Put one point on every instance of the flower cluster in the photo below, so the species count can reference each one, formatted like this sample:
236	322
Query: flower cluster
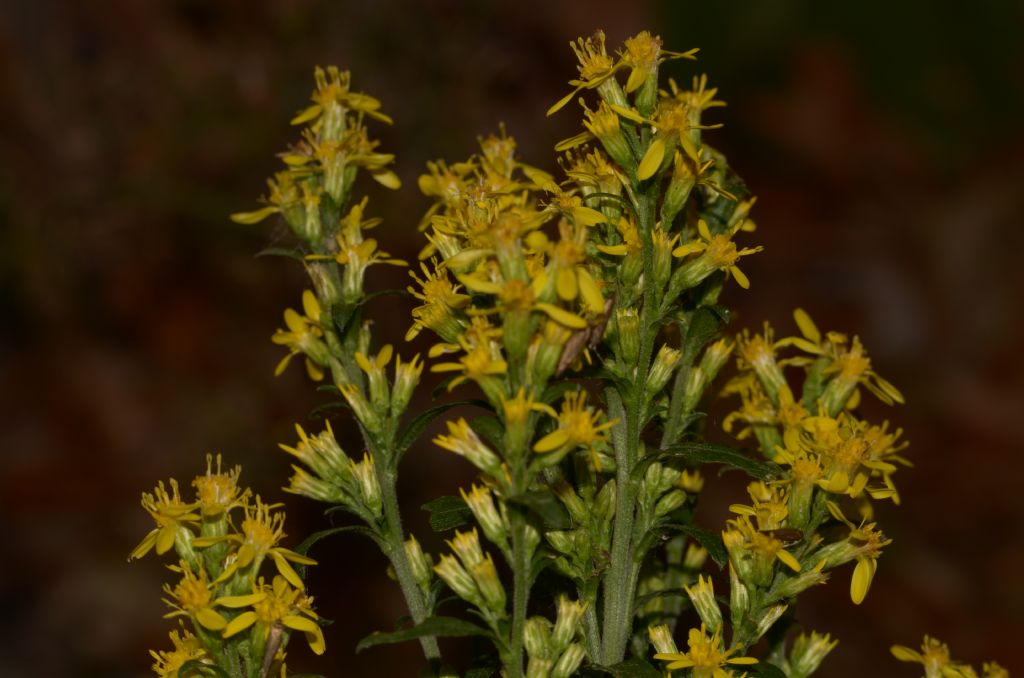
583	313
222	539
934	657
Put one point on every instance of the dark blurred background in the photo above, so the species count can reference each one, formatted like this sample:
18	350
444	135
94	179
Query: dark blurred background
883	139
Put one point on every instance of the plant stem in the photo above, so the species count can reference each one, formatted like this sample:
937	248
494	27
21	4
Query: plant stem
618	591
399	559
591	632
520	591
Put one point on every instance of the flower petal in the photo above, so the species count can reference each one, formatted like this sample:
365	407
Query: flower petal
240	623
651	160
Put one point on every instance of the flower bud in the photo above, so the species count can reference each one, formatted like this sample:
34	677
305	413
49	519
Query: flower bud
669	502
407	376
481	503
569	614
366	479
703	597
537	637
458	580
627	335
768	619
466	546
661	371
739	597
569	661
695	557
661	639
678	191
420	563
808	652
486	578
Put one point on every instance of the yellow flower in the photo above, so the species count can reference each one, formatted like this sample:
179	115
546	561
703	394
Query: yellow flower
864	543
463	441
934	656
596	67
303	336
218	491
261	531
171	514
480	363
193	597
717	252
578	426
705	657
186	648
276	606
850	364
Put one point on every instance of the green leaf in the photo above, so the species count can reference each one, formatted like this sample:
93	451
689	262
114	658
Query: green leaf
557	391
766	669
439	627
712	541
546	506
705	324
289	252
312	539
490	429
342	315
442	387
447	513
631	668
424	419
481	672
194	668
663	593
708	453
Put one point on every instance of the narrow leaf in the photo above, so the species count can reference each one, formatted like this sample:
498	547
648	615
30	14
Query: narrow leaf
631	668
424	419
765	669
289	252
712	541
707	453
312	539
439	627
447	513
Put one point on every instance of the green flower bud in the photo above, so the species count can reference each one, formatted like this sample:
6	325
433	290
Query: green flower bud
703	597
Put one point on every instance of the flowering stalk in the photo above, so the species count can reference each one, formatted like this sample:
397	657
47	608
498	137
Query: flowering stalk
584	314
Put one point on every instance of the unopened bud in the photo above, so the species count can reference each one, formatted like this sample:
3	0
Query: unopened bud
703	597
486	578
419	562
366	478
661	639
569	661
569	614
537	637
808	652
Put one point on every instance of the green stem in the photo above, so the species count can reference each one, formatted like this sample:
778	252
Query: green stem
520	591
591	633
618	593
400	561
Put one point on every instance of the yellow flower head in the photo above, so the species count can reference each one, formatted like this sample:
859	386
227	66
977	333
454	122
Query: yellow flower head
170	513
186	648
935	658
578	426
278	605
705	657
303	336
193	597
718	252
218	490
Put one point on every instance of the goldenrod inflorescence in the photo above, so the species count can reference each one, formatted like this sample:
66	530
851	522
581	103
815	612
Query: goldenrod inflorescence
584	313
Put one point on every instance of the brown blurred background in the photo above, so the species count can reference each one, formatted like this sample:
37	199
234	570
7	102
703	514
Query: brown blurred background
883	138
